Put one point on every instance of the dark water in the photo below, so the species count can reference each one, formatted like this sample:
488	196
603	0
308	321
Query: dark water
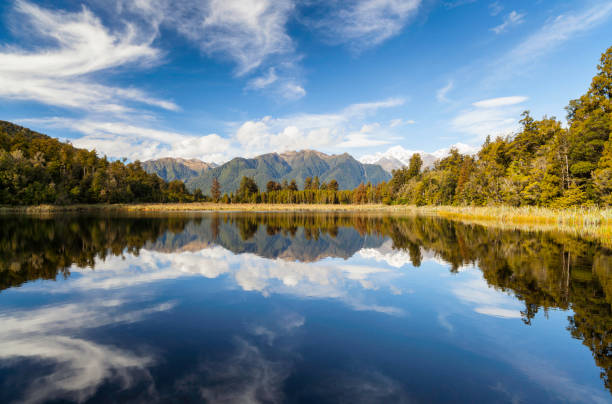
299	308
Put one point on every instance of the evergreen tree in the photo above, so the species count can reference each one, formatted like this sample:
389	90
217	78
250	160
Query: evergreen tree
215	190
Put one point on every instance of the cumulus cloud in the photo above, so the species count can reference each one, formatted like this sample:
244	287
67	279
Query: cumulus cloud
495	117
337	130
363	23
119	139
512	19
348	128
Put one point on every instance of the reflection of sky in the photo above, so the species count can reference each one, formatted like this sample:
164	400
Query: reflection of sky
374	301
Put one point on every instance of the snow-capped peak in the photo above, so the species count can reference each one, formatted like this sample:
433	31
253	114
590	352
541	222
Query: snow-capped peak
396	157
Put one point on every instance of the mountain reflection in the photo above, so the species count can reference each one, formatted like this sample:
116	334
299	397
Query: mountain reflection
543	270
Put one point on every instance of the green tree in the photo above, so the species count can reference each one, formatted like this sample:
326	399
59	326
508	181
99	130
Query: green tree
248	188
602	176
333	185
414	165
215	190
590	119
292	186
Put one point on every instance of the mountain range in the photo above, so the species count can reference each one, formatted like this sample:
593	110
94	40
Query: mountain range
397	157
278	167
169	168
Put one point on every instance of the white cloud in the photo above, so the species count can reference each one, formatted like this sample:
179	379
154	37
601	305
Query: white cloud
252	34
495	8
364	23
399	122
247	32
347	128
510	20
500	102
442	93
119	139
360	140
397	156
395	122
292	90
495	117
552	34
265	80
61	75
284	85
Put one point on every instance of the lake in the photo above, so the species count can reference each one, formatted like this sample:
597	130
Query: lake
297	307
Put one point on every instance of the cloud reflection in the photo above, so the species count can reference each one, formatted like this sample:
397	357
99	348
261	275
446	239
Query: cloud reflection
51	335
325	279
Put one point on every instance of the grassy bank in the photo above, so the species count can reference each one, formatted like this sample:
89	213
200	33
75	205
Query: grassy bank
596	223
586	222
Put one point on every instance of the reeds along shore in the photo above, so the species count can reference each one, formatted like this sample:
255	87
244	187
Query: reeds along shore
591	222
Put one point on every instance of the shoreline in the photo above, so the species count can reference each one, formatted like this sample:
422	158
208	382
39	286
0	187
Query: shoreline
592	222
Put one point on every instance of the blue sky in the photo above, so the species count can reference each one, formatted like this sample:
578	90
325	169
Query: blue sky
215	79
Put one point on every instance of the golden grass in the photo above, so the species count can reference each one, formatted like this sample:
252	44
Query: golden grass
588	222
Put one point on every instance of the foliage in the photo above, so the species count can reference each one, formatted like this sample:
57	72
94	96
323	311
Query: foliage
215	190
36	169
544	164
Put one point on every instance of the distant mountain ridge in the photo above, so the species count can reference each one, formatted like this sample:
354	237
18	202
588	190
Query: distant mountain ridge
291	165
171	168
397	157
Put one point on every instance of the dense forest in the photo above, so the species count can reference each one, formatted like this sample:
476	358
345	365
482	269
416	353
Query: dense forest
544	164
37	169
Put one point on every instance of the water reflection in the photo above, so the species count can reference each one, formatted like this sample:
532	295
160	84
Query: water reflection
121	273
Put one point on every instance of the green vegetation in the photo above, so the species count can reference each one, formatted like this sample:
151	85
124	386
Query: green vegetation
314	192
36	169
544	164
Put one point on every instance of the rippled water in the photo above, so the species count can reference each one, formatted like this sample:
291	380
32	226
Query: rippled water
299	308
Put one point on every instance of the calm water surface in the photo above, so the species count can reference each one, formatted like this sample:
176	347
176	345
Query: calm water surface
299	308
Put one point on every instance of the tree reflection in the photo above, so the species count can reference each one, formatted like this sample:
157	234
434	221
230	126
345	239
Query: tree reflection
544	270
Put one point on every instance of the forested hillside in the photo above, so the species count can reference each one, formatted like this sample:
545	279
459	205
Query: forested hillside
545	164
36	169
